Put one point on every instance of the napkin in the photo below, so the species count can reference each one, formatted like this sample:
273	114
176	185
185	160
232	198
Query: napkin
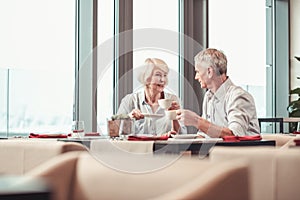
48	135
146	138
92	134
241	138
297	142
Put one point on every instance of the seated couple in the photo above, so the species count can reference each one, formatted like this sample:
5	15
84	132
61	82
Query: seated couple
227	109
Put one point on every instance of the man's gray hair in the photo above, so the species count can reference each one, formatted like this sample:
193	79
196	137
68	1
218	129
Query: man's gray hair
212	58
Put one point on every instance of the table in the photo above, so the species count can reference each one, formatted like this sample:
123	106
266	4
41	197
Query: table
202	148
86	141
177	146
121	146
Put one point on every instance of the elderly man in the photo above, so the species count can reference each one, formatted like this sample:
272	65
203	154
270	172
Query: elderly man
227	108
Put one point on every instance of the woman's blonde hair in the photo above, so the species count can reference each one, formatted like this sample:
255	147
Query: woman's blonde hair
149	66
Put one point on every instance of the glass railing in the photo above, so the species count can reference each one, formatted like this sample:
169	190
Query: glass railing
38	101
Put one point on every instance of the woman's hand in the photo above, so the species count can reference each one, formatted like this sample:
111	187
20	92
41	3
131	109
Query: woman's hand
169	133
174	106
136	114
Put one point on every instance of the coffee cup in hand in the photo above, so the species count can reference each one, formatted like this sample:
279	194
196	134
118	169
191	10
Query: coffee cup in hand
171	114
165	103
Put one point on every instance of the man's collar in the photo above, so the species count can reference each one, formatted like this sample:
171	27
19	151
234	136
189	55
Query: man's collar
221	91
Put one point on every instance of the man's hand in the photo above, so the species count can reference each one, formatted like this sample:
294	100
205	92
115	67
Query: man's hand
188	118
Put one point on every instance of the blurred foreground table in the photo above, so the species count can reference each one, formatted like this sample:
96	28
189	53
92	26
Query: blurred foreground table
23	188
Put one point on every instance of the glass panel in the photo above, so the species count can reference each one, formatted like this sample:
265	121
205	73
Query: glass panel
3	102
37	44
147	14
40	101
105	63
243	40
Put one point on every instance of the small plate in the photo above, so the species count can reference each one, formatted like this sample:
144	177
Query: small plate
185	140
204	140
152	115
186	136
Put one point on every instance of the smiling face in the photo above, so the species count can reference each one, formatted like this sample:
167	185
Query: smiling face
158	80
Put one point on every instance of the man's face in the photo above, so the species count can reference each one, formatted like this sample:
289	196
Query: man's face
201	75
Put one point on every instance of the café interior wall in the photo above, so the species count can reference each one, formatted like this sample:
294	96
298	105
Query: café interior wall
294	44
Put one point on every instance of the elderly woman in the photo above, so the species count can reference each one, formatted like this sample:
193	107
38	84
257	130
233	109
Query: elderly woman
143	106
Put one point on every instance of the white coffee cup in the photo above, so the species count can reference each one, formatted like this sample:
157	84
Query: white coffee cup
165	103
171	114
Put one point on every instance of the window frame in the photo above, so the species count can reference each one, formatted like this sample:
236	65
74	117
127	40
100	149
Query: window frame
278	53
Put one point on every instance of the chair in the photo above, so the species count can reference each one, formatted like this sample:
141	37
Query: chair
282	140
261	167
273	119
82	176
273	172
280	120
18	156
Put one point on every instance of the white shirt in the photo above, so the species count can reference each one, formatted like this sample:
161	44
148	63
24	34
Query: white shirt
231	107
148	125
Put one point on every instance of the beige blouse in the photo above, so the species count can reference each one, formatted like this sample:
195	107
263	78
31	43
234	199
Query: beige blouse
148	125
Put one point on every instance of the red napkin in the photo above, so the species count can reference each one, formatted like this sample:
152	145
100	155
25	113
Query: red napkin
241	138
296	132
34	135
92	134
146	138
297	142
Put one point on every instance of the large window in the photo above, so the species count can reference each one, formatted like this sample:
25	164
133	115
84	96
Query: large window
3	101
165	17
38	53
146	14
105	66
241	34
36	66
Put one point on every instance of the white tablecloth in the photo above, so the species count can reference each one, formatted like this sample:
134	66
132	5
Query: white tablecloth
118	146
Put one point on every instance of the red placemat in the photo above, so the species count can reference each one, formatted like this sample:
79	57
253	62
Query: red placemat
146	138
297	142
48	135
242	138
92	134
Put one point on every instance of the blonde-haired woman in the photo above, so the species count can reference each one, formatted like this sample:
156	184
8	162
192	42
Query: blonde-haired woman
154	77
